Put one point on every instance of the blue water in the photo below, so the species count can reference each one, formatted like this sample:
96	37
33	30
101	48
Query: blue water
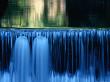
40	60
55	55
20	70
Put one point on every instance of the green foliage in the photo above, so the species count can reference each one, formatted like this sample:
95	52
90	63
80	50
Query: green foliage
17	15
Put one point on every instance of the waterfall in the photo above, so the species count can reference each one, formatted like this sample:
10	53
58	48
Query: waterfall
81	56
21	60
55	55
40	60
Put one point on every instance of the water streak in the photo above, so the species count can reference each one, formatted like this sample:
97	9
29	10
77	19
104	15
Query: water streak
21	60
40	60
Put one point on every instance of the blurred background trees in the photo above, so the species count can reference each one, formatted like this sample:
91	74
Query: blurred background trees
55	13
88	13
34	13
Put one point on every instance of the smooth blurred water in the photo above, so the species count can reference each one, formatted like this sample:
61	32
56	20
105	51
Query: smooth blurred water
21	60
56	56
40	60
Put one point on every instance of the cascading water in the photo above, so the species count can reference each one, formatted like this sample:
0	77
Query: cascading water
40	60
74	55
20	61
81	56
